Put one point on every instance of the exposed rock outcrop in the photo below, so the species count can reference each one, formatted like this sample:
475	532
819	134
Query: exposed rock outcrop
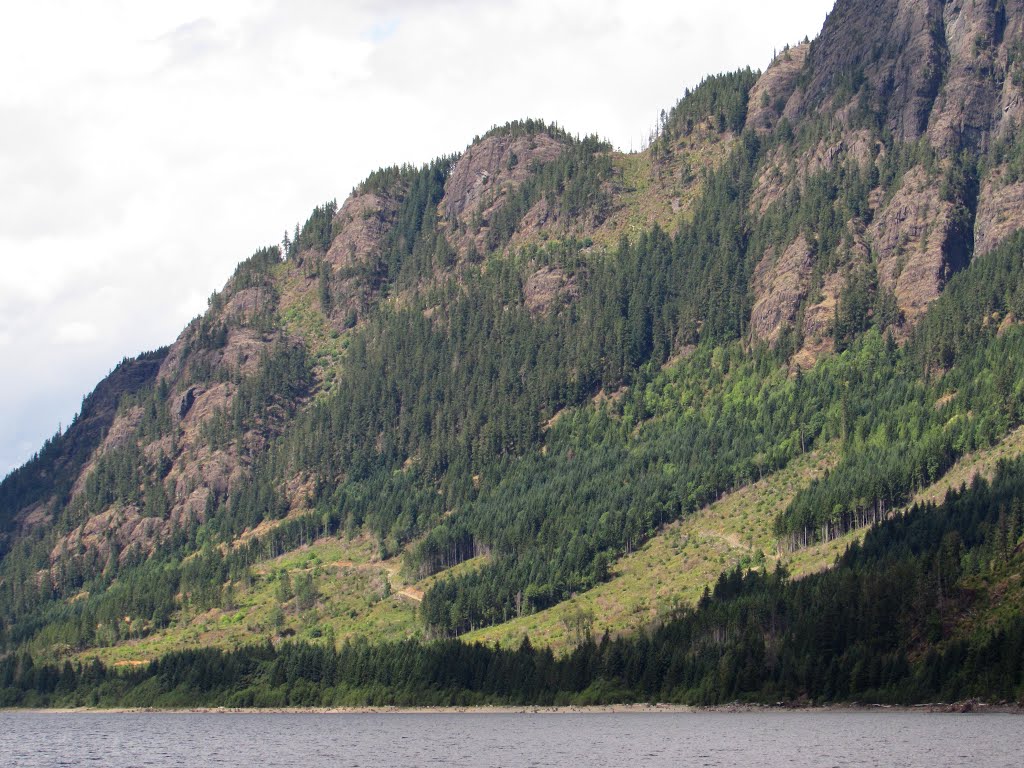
186	402
819	311
1000	213
491	163
895	48
779	286
782	171
120	526
771	93
819	314
361	224
481	180
950	72
941	68
914	244
966	108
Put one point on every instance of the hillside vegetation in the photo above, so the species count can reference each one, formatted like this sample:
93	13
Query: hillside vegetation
866	629
543	388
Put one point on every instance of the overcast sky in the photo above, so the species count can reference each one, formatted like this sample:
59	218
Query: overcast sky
146	148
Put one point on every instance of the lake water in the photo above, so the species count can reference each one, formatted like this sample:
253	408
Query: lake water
797	739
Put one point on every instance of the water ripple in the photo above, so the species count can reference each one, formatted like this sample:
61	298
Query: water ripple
754	740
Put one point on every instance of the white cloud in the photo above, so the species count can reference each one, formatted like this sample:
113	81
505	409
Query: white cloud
75	332
146	148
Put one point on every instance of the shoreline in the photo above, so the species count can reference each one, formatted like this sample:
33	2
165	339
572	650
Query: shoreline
965	707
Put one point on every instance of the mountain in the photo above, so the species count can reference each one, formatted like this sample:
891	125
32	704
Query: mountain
470	400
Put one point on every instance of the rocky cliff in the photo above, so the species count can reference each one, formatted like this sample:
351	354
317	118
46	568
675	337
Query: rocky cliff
938	82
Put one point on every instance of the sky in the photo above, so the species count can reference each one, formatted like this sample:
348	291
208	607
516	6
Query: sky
148	147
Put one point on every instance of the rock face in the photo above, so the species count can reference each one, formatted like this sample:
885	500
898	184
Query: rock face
780	285
782	172
894	47
482	179
948	73
987	71
771	93
362	224
819	314
1000	212
200	373
966	109
915	245
187	401
935	67
361	228
819	310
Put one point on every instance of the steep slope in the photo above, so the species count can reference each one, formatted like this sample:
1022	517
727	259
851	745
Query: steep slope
917	93
503	372
30	492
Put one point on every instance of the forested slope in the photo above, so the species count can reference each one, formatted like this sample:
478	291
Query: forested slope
918	612
463	395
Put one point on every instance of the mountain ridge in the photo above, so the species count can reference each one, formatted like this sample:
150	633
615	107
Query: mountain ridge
511	367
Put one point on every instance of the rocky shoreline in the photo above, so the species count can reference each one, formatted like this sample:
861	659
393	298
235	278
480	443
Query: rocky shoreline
961	707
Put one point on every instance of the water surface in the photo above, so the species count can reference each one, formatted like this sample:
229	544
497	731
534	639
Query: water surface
798	739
